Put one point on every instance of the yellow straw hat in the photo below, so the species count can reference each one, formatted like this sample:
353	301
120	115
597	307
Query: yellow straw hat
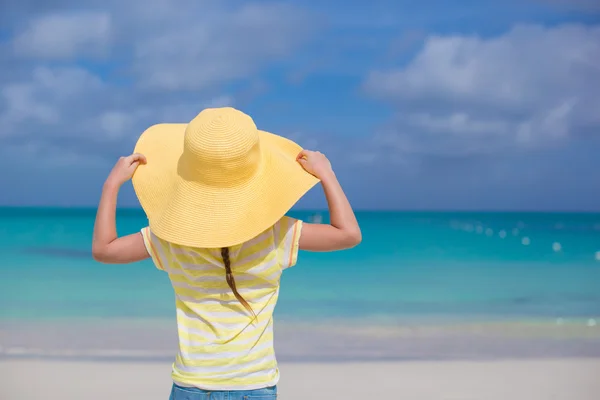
217	181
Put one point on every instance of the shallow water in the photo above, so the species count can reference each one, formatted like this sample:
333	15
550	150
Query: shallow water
412	268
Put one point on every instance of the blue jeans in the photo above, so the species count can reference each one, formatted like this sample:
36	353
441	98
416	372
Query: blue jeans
184	393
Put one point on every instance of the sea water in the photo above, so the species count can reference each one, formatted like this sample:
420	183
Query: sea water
410	265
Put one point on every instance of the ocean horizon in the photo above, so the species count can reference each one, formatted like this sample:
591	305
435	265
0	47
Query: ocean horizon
419	283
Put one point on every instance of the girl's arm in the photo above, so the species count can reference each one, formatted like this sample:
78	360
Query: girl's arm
106	246
343	231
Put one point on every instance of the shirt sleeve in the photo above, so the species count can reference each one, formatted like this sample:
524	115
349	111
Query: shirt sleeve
153	245
288	238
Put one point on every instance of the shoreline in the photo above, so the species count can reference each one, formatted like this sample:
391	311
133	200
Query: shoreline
156	340
324	361
564	379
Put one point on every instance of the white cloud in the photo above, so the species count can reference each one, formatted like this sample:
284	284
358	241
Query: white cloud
220	101
73	112
47	98
64	83
216	44
529	86
459	123
63	36
21	105
175	51
115	123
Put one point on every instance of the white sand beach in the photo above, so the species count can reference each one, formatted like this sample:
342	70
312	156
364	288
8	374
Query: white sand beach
553	379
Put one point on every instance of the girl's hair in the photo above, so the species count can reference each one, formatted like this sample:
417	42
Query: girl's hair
231	281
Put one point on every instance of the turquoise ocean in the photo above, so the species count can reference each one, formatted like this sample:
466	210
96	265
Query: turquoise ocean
412	268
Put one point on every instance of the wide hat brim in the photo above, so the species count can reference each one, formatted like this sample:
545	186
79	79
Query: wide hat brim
192	213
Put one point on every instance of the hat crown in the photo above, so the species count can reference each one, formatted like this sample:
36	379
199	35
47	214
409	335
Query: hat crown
221	147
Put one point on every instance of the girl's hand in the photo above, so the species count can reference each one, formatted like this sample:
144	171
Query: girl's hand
124	169
315	163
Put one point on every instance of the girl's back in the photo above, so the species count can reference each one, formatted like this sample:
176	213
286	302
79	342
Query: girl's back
226	341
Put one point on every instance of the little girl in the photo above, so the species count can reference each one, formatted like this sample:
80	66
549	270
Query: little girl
216	192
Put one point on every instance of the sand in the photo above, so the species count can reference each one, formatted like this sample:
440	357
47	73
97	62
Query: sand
131	360
553	379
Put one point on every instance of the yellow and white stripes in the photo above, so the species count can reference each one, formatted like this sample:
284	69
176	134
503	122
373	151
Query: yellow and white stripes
221	345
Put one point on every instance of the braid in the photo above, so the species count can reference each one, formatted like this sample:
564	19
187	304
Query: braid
231	281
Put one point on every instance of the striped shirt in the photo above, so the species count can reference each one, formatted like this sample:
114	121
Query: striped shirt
221	345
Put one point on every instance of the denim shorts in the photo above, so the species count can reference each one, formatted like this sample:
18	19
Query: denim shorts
185	393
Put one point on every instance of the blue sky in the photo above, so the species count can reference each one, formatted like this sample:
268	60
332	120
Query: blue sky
419	105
